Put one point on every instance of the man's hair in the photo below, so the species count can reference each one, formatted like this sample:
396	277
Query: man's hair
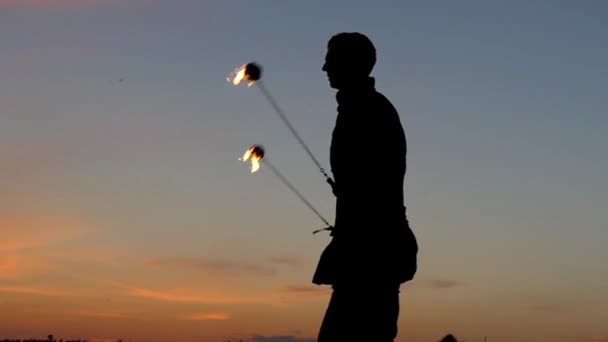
358	47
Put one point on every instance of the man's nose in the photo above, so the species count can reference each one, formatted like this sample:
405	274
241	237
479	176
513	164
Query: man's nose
324	68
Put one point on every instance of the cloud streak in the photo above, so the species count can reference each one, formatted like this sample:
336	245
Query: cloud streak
97	313
113	315
441	284
304	290
35	291
15	266
181	297
29	237
226	267
216	316
216	266
286	261
24	229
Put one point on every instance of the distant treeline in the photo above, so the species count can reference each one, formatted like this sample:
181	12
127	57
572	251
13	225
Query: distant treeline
50	338
447	338
44	340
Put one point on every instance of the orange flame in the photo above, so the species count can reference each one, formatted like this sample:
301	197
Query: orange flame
238	75
256	156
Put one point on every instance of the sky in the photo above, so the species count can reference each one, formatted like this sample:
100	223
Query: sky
126	213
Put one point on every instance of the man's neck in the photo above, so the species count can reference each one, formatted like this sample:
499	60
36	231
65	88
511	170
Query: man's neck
355	87
359	84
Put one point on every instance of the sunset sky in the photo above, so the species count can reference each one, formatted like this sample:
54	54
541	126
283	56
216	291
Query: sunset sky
125	212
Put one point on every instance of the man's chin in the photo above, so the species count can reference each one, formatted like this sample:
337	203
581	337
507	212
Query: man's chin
334	84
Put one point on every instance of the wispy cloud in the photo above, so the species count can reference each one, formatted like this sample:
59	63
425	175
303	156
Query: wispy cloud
285	260
287	338
26	229
215	316
548	303
304	290
226	267
11	266
441	283
28	236
110	315
218	266
97	313
182	297
35	291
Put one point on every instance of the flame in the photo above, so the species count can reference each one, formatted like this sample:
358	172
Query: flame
255	156
238	75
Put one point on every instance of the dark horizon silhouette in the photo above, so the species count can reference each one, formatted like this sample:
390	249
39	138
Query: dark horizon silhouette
449	338
53	338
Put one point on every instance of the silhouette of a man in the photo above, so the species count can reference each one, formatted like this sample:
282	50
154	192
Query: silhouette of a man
373	250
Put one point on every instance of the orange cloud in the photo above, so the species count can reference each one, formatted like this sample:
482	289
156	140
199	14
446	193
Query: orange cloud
216	266
304	290
26	230
117	315
35	291
285	260
9	265
99	313
441	283
179	296
600	339
208	317
28	239
227	267
14	266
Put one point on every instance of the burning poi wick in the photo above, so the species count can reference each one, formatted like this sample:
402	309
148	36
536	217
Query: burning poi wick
252	73
256	153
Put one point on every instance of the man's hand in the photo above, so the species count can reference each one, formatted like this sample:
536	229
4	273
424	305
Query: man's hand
333	186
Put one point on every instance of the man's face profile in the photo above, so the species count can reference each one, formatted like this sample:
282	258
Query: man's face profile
335	67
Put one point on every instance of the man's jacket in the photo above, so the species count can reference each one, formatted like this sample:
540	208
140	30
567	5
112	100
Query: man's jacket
371	241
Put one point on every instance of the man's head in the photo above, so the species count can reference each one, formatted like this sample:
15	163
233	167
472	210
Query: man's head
350	58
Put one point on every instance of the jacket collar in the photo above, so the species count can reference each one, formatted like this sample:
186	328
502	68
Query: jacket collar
366	85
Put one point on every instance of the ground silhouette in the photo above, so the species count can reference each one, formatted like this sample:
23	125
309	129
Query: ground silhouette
50	338
449	338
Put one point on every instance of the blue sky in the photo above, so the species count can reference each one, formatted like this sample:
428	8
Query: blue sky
116	117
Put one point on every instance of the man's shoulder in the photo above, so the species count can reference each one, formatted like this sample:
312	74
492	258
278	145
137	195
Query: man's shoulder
383	100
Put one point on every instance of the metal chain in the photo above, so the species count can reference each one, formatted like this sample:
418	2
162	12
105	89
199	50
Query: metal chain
291	128
293	188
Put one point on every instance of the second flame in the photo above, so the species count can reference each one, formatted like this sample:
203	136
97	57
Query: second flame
239	75
256	154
